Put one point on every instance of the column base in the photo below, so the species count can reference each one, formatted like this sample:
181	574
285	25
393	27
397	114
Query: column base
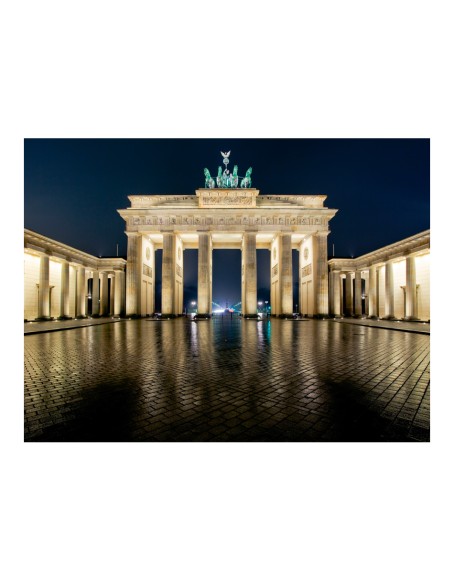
81	317
167	316
321	316
250	316
44	318
389	318
411	319
287	316
95	315
64	318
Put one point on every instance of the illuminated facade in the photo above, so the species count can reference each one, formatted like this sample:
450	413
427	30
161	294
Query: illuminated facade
61	282
227	219
390	283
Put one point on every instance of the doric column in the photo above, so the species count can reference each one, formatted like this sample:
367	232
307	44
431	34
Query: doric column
80	292
95	295
249	274
204	288
336	293
133	274
168	274
286	274
64	287
349	294
389	290
372	295
118	297
43	303
358	295
104	294
112	295
123	294
321	273
410	291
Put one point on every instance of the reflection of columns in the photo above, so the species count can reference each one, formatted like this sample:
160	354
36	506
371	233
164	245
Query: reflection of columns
249	275
320	250
118	299
95	295
134	274
43	302
372	294
64	297
112	295
389	290
410	291
358	295
168	274
336	293
80	292
204	288
104	294
349	294
286	274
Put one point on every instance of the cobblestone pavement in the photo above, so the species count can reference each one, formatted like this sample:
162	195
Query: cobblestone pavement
227	380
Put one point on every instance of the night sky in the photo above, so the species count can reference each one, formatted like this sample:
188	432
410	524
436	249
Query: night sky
73	187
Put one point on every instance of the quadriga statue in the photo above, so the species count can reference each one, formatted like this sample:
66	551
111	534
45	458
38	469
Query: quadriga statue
246	182
209	182
234	177
219	177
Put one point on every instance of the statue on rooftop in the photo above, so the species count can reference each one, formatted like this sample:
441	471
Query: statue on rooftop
246	182
219	178
234	177
225	179
209	182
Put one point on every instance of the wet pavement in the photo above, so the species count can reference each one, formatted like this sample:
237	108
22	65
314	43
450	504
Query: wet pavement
226	380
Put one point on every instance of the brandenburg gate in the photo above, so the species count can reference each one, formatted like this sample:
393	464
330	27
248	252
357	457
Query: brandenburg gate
227	214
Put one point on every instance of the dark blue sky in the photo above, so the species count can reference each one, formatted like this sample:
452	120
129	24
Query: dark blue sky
73	187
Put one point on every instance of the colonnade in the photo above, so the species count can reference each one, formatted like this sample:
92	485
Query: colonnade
141	273
64	283
104	303
389	289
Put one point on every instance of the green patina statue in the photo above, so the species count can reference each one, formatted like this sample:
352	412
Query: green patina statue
246	182
226	180
209	182
234	178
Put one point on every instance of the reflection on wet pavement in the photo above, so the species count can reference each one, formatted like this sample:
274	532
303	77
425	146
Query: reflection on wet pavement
227	380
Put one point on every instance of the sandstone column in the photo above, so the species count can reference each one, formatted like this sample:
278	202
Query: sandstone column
249	279
204	274
336	293
349	294
389	290
168	274
95	295
320	257
123	293
104	294
43	303
112	295
118	297
410	294
358	295
64	298
286	274
80	292
372	295
133	274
